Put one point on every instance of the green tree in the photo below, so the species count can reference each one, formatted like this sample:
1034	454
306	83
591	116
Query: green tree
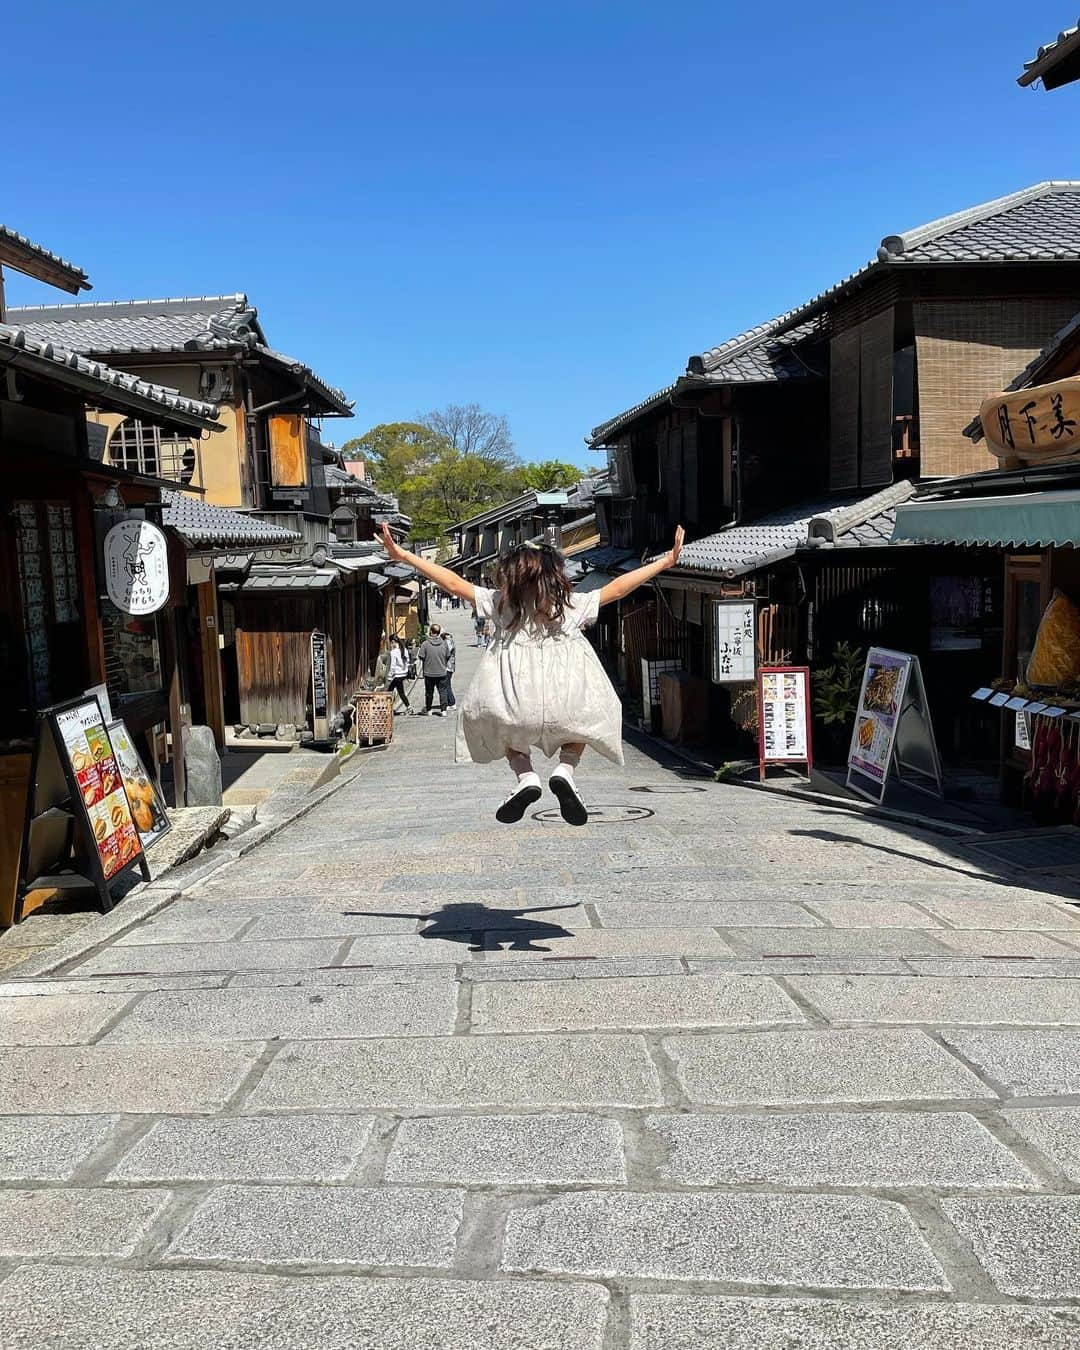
549	475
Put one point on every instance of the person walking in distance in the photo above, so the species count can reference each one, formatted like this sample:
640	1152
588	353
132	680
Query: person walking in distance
539	685
432	658
451	667
400	669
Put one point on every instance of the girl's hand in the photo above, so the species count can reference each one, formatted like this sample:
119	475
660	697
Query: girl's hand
676	549
391	545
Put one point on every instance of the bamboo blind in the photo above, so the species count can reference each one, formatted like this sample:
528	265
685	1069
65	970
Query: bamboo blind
967	350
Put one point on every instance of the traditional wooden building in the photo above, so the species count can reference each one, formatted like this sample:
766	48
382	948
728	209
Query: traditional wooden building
266	461
816	414
1027	510
566	517
59	632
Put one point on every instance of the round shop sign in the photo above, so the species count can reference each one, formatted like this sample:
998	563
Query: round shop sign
137	567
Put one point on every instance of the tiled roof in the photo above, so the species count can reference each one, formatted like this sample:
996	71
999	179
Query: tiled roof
101	386
745	548
202	524
25	256
605	558
1040	223
195	323
757	356
1056	63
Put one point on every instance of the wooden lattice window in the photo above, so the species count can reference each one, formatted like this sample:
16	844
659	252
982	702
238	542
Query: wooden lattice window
142	448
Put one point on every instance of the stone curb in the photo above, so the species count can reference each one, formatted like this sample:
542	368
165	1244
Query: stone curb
146	900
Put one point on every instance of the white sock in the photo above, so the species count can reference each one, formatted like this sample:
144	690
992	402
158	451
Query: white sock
563	770
527	778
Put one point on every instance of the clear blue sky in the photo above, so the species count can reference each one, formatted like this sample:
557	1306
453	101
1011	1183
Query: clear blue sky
542	208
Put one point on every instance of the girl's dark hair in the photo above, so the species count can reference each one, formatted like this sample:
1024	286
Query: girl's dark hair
533	582
403	645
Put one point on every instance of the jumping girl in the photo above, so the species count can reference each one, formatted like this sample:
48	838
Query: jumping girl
540	684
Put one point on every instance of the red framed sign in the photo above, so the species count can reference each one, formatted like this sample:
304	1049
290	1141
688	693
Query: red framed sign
784	730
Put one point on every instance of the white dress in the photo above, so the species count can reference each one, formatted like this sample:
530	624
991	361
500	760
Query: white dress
539	686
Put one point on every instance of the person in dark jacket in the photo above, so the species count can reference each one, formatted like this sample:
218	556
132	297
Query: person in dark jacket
434	660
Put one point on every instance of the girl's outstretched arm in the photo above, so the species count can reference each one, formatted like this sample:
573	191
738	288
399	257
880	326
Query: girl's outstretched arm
622	586
442	576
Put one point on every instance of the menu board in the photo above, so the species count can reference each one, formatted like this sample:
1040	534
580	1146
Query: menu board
893	728
784	716
147	807
89	751
734	654
880	700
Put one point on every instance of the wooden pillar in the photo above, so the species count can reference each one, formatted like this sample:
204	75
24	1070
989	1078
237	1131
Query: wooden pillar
213	685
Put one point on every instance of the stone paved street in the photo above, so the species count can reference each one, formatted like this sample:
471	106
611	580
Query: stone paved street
723	1069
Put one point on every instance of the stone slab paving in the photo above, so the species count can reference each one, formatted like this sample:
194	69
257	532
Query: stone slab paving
49	1148
65	1308
871	1150
825	1242
799	1067
522	1071
99	1079
668	1322
1054	1132
255	1148
429	1008
76	1222
666	1001
402	1077
508	1150
941	1001
58	1020
323	1225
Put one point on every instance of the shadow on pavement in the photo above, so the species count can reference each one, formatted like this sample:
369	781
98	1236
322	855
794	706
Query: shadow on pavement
467	923
992	872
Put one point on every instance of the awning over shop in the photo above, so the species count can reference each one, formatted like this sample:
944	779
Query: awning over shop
1024	520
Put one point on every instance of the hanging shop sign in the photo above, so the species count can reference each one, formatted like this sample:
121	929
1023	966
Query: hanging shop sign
79	832
893	731
137	567
319	687
1036	425
144	797
733	652
784	734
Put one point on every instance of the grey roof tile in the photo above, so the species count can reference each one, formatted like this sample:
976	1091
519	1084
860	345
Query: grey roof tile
25	256
194	323
202	524
738	549
1048	61
101	384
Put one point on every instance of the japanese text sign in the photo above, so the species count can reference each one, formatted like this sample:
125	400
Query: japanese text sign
1039	424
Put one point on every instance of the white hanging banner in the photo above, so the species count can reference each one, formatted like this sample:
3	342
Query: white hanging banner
892	731
733	653
137	567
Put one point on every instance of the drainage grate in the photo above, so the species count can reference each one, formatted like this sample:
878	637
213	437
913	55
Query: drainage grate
599	815
1034	850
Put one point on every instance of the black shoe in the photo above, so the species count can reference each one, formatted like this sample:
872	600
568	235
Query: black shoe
574	810
518	802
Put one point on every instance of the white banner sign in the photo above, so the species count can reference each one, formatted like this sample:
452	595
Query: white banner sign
137	567
733	656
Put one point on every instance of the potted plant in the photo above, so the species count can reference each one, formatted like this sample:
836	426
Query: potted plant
836	698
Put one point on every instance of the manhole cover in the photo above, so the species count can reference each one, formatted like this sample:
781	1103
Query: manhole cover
600	815
668	790
1035	850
